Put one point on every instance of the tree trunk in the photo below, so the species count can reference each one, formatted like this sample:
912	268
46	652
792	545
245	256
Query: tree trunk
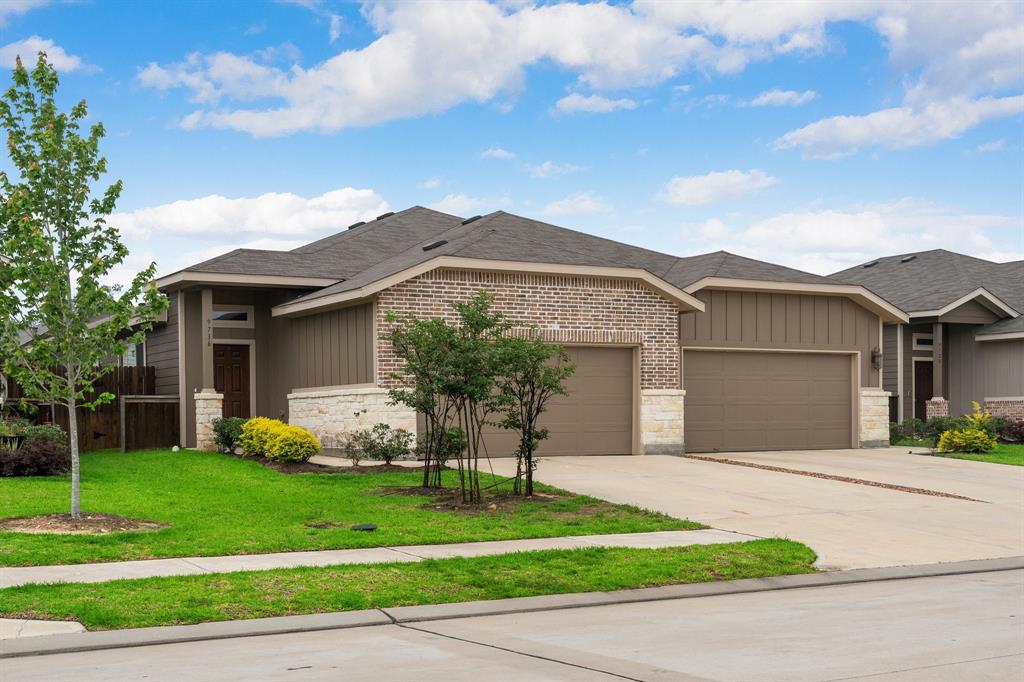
76	492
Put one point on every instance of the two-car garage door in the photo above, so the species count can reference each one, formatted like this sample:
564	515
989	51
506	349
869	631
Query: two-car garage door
739	401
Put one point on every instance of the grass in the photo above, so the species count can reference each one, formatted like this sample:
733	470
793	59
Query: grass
914	442
216	504
1005	453
195	599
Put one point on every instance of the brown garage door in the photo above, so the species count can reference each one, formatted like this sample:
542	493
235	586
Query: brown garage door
739	401
596	418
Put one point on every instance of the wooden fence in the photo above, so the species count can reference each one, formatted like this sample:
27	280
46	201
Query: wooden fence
135	419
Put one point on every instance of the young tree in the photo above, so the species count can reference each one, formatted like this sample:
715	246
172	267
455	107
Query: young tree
61	325
532	372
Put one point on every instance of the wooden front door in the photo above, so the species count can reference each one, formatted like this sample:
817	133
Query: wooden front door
231	378
922	388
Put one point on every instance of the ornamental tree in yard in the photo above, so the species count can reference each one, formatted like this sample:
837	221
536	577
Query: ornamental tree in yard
532	372
62	326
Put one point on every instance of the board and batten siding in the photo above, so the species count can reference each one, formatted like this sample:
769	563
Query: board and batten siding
890	358
742	319
162	350
334	348
989	369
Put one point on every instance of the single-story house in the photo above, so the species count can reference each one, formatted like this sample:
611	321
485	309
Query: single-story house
710	352
964	341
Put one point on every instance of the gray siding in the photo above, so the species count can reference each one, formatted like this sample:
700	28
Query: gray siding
162	350
991	369
890	359
329	349
907	398
735	319
971	312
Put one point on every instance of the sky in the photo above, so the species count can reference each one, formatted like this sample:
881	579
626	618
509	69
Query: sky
815	135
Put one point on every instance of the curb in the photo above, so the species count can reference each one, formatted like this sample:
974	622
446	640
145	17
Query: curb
117	639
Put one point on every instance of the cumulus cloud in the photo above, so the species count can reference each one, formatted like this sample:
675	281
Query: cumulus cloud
273	215
497	153
580	203
13	8
592	104
551	169
29	47
465	205
898	127
697	190
783	98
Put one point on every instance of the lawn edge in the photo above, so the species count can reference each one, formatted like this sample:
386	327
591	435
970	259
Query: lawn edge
116	639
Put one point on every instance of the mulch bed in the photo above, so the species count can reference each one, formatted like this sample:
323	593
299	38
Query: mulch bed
89	523
450	499
830	477
312	468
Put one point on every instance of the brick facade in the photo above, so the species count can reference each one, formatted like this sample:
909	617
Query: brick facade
1010	408
936	407
569	309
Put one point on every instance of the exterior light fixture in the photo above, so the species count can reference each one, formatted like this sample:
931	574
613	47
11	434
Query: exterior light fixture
876	358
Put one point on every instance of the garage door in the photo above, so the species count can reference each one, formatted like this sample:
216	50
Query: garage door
596	418
766	401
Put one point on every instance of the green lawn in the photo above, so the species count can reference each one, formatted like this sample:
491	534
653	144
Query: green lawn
1005	453
914	442
195	599
216	504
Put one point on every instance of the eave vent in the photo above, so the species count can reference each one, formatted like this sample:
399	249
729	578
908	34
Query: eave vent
871	264
355	225
467	221
907	259
434	245
382	216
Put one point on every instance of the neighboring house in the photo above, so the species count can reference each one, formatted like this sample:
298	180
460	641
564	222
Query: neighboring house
766	356
965	338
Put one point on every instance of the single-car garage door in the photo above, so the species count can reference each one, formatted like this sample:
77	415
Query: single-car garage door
739	401
596	418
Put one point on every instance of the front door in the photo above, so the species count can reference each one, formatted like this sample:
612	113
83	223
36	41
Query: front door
922	388
231	378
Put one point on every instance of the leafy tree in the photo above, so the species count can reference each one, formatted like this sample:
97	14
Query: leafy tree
532	372
61	325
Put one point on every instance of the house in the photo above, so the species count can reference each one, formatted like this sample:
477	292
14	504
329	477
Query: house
965	338
710	352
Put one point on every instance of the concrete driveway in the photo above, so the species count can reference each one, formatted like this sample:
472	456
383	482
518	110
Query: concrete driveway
849	525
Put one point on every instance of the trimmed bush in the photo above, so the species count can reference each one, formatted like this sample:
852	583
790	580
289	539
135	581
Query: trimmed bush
227	431
47	432
381	443
256	434
38	456
966	440
936	426
291	444
1013	432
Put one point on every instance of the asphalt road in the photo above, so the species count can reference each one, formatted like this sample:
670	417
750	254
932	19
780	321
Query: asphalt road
966	627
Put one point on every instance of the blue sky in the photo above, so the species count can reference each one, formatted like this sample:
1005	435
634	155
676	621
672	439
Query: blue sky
817	136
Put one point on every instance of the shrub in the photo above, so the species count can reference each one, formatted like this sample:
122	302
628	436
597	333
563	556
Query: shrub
966	440
1013	432
13	427
936	426
908	429
227	431
256	433
452	442
381	443
982	420
291	443
38	456
48	432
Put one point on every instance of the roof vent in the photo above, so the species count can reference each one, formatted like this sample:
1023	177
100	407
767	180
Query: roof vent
434	245
354	225
871	264
382	216
467	221
907	259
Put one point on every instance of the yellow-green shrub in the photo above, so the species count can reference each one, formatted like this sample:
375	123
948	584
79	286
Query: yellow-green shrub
291	444
966	440
256	434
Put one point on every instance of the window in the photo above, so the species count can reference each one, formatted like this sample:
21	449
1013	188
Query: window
130	357
224	315
922	341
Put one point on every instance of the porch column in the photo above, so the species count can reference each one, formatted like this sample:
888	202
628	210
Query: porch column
207	312
937	406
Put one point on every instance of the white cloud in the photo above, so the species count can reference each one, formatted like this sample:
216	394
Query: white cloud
783	98
827	240
594	104
29	47
497	153
275	214
13	8
991	147
337	23
697	190
898	127
551	169
431	183
465	205
580	203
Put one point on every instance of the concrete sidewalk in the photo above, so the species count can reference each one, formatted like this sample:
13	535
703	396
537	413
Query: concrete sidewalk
152	568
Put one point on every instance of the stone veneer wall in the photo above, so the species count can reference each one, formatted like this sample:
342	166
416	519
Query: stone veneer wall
874	418
567	308
209	406
936	407
332	413
661	421
1010	408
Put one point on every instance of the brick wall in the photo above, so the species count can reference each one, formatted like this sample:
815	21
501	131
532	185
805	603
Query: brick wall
569	309
1011	408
